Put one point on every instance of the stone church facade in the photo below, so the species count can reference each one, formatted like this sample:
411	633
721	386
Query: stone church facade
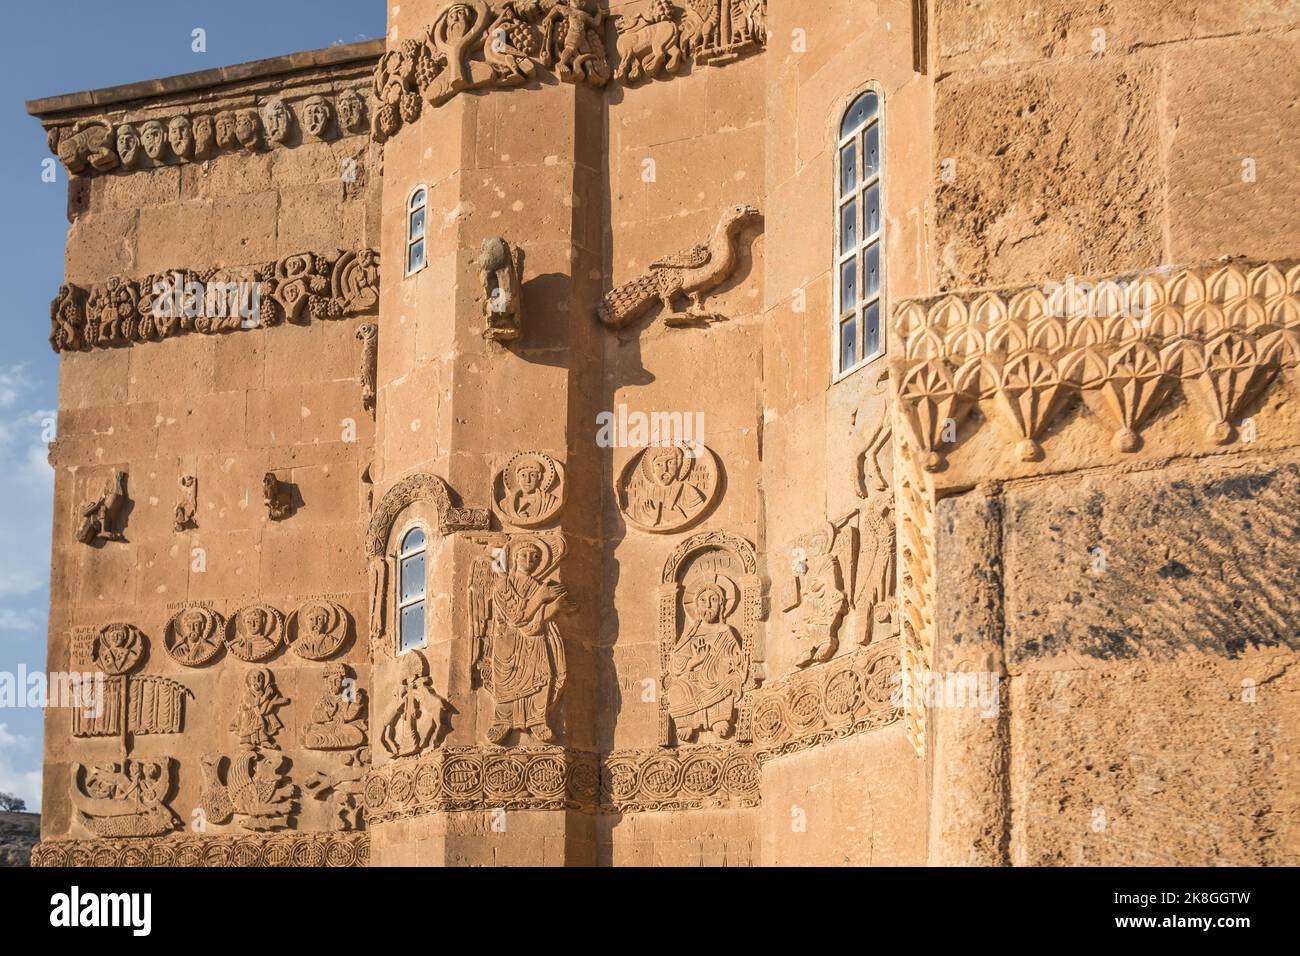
668	432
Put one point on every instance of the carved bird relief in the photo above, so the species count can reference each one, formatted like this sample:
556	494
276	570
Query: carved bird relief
693	272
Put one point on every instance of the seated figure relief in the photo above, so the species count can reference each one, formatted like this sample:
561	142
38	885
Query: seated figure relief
339	716
707	670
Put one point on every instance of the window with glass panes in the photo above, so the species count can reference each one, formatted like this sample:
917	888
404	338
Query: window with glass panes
415	217
410	590
859	243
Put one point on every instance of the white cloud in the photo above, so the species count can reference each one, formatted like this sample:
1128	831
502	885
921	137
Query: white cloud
26	507
20	767
21	619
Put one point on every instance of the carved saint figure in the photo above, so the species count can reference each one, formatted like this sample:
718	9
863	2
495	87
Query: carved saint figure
153	137
319	630
352	111
339	716
256	722
277	119
101	516
528	492
816	613
316	116
204	137
118	648
224	125
415	719
256	632
502	269
128	144
665	489
192	636
455	34
707	668
180	137
520	658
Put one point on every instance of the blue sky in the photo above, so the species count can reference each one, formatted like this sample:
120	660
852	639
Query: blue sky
62	47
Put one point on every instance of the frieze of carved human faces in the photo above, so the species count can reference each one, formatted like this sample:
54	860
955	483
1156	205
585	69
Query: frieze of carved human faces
180	137
128	144
352	111
255	633
224	125
278	120
529	490
316	116
318	630
667	489
193	636
248	129
153	137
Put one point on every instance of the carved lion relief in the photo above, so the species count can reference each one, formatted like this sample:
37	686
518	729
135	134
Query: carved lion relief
710	603
194	636
665	489
529	490
249	787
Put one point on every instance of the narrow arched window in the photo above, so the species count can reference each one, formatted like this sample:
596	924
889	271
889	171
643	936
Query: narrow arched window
859	237
415	222
410	594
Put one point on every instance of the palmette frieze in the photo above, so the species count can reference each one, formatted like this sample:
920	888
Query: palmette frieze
280	849
1218	335
296	289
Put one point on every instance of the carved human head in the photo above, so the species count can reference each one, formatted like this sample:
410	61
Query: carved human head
204	137
336	677
316	116
709	603
248	129
225	129
529	474
258	680
278	119
153	137
128	144
180	136
317	619
352	111
255	620
666	464
527	558
459	18
192	625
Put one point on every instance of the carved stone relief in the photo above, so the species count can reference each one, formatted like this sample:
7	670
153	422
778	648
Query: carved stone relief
188	505
416	718
368	335
125	799
529	490
710	603
100	146
665	489
123	311
102	518
817	589
249	787
319	629
343	788
695	778
256	723
339	718
284	849
501	270
118	648
278	497
519	656
194	636
693	272
255	633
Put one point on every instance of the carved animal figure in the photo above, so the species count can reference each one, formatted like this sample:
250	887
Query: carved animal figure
501	269
649	45
252	787
102	514
694	272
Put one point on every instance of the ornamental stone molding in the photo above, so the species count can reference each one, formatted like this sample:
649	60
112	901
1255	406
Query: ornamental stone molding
479	45
296	288
281	849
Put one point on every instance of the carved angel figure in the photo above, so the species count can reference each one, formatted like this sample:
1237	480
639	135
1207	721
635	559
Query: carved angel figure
102	515
502	269
256	722
693	272
707	669
519	654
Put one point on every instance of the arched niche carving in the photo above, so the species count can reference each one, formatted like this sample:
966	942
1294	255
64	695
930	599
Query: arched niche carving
726	563
380	555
